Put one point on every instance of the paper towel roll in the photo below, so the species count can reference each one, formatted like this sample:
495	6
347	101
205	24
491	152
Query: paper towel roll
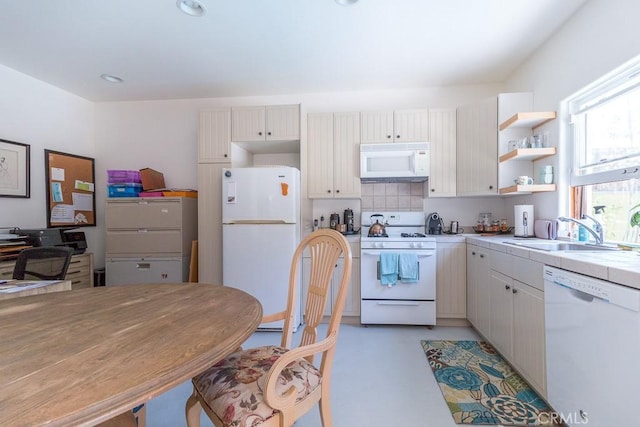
524	221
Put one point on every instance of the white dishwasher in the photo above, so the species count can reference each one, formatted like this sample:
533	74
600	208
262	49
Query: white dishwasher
593	349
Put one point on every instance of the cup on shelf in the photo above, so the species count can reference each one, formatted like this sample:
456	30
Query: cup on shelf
524	180
546	174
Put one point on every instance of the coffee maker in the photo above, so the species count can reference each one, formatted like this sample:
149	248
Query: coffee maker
434	223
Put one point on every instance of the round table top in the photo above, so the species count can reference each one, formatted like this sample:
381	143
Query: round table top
83	356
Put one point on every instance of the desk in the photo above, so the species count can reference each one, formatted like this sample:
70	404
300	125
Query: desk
34	287
83	356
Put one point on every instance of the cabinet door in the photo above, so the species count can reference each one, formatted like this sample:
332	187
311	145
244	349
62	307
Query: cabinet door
482	305
346	155
411	125
501	312
214	136
352	303
451	285
528	335
472	284
442	137
320	155
248	124
210	222
283	123
376	126
477	149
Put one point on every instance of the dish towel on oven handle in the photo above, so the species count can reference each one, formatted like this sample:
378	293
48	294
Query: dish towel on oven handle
388	268
408	267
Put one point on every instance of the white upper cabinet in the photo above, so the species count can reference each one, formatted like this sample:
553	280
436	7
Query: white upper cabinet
214	136
270	123
477	149
442	139
333	161
394	126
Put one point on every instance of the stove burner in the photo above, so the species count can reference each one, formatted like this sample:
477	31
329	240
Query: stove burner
412	235
378	235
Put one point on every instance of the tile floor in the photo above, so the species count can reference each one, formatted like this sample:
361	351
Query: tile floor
380	378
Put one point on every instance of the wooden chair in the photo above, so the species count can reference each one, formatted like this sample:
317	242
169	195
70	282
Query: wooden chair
275	385
43	263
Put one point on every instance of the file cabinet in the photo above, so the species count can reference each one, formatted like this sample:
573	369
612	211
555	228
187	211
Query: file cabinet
148	240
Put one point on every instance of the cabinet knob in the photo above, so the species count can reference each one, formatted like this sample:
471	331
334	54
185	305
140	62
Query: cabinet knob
473	253
433	190
491	187
328	191
389	136
397	136
515	291
507	287
226	155
481	255
268	133
337	191
260	133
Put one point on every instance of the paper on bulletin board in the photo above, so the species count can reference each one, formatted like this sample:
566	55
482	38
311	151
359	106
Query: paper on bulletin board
83	185
56	192
57	174
82	201
62	213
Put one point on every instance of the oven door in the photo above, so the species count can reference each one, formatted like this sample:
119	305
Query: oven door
372	288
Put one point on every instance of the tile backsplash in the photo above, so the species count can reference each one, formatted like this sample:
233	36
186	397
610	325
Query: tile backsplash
392	196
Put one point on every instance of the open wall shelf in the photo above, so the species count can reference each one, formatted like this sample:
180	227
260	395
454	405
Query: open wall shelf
528	154
527	120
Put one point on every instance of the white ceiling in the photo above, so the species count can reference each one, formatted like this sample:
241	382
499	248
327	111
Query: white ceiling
271	47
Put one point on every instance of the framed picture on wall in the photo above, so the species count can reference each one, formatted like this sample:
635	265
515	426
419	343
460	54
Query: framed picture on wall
70	181
14	169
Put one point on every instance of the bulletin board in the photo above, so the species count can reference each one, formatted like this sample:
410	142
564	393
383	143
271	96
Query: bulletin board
70	182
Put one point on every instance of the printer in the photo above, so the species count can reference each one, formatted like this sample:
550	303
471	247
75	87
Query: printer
55	237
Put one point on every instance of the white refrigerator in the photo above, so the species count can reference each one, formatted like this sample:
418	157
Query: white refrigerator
260	233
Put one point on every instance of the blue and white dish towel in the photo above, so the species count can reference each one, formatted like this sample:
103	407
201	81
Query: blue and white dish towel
408	267
388	268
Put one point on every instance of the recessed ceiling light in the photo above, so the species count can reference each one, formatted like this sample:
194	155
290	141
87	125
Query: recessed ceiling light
346	2
191	7
111	79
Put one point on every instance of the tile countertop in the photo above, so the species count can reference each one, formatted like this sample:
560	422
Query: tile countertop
621	267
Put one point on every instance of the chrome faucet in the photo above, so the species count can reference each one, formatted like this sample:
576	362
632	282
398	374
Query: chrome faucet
597	231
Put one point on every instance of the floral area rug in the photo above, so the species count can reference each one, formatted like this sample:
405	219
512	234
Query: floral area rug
481	388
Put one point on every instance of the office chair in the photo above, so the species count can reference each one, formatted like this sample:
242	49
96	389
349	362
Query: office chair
42	263
275	385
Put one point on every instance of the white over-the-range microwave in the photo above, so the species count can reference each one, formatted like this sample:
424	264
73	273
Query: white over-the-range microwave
407	161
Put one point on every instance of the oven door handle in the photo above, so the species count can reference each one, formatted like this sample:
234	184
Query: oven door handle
397	303
419	255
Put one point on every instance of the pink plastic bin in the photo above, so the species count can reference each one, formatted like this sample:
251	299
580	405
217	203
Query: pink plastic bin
123	177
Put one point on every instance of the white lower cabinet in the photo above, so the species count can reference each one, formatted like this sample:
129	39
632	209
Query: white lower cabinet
451	280
478	298
352	303
517	315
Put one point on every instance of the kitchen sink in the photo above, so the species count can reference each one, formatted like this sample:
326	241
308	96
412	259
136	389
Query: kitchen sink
564	246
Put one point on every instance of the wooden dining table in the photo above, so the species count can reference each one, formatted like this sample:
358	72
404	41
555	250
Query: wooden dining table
81	357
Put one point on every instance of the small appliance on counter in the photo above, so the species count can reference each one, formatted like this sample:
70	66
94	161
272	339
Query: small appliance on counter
434	224
524	221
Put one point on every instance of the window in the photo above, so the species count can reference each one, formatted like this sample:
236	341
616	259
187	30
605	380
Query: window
605	141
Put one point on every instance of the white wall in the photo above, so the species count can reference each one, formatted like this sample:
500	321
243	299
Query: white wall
601	36
45	117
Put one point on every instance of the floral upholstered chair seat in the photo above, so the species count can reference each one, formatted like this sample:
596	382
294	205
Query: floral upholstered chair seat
233	388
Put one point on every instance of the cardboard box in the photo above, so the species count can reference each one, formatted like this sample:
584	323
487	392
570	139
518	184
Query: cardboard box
151	179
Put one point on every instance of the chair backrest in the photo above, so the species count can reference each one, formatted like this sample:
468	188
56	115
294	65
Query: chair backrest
43	263
325	247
